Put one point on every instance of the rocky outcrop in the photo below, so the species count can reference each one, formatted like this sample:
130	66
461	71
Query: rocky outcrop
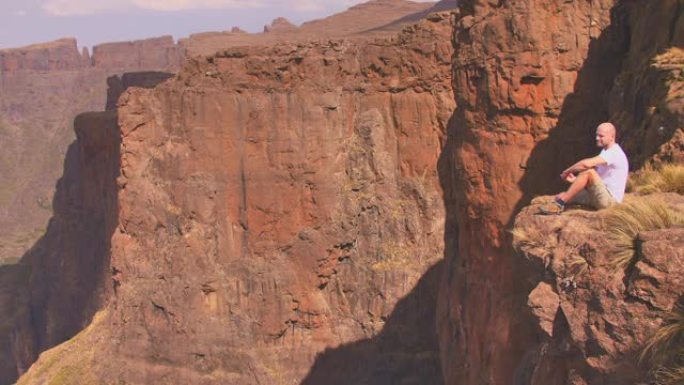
280	24
359	22
116	85
278	208
597	319
58	55
157	53
532	79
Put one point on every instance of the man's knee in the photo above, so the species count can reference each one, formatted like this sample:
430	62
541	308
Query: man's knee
591	175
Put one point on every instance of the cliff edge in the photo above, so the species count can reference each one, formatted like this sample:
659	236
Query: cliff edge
608	285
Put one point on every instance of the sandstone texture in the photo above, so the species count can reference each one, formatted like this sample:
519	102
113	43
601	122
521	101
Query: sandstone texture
279	220
532	79
596	319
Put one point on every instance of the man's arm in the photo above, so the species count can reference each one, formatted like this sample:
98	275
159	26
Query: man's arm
584	164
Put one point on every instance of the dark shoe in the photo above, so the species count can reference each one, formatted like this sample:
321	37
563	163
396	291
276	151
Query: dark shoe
551	208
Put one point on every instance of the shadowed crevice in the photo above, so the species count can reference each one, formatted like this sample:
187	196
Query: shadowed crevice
53	292
404	352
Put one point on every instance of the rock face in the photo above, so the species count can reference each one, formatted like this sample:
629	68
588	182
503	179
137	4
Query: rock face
597	319
42	89
532	79
63	54
53	292
58	55
280	220
159	52
53	300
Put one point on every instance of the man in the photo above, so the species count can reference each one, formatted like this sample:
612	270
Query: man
598	182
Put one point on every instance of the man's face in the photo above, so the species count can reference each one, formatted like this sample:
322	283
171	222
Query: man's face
604	136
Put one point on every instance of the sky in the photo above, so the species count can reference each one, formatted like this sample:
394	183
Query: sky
91	22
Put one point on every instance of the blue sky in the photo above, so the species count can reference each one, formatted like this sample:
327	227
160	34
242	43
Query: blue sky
24	22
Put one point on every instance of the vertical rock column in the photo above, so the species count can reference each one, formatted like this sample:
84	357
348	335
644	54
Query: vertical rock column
529	79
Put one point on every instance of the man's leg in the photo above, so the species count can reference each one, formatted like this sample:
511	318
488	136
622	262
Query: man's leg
583	180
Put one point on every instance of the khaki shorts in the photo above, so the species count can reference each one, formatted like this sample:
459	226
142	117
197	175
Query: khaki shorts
596	196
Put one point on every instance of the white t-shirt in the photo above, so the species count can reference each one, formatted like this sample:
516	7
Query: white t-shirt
614	172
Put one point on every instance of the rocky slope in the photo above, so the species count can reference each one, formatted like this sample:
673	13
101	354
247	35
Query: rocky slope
596	318
362	21
279	220
532	79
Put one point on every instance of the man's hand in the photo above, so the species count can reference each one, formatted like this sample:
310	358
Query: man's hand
570	178
567	173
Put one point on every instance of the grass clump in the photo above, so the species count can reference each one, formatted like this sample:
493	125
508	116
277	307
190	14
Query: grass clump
668	178
665	351
625	222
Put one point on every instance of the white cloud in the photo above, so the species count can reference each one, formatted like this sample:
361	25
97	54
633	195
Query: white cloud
180	5
88	7
81	7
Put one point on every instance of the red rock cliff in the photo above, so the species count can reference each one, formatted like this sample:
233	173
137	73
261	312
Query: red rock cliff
532	79
280	220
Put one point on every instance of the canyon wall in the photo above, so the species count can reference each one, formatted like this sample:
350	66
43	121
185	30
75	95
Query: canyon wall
280	220
62	280
42	88
278	216
532	79
54	196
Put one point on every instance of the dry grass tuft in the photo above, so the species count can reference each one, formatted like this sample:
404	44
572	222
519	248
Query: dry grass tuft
527	238
665	350
626	221
669	376
668	178
531	241
578	265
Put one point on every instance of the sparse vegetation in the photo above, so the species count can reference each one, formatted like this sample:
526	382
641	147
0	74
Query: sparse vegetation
578	265
69	362
668	178
532	237
625	222
665	351
394	256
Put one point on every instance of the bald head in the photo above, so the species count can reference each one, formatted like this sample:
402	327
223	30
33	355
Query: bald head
605	135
